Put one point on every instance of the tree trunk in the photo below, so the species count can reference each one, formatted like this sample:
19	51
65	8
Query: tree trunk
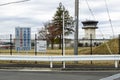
52	44
60	41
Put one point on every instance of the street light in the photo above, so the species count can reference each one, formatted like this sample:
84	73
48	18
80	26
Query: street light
63	31
63	40
63	26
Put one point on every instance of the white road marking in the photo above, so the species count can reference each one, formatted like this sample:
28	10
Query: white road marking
112	77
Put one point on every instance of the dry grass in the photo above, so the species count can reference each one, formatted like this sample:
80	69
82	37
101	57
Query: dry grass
112	45
102	49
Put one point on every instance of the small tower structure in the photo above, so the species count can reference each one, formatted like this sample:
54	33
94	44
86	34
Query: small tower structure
90	27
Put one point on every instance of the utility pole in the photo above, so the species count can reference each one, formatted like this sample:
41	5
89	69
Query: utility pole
63	31
76	27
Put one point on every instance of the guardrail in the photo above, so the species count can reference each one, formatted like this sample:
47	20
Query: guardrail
52	59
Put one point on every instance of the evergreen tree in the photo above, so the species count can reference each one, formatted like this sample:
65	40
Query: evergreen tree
58	22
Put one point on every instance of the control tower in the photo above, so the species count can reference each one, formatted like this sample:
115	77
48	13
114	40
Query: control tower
90	27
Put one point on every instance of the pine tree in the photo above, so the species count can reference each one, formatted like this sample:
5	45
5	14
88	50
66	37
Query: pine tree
58	22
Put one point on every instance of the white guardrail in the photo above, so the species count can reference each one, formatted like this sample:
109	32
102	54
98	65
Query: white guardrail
51	59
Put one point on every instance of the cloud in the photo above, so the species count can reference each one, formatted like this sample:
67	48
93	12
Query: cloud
35	12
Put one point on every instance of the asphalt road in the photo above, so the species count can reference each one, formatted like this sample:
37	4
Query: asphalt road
49	75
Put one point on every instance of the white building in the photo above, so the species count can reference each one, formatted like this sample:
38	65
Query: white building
90	27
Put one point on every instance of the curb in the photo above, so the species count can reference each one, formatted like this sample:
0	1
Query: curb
56	69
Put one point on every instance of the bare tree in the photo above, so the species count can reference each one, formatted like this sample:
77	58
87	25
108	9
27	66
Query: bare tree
42	34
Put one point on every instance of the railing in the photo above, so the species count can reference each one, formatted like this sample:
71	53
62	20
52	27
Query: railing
52	59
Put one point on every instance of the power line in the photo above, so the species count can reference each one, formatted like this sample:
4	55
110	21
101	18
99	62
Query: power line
109	17
90	9
99	29
13	2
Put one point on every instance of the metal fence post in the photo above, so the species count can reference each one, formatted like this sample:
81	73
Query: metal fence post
91	45
35	44
119	45
11	45
51	64
116	64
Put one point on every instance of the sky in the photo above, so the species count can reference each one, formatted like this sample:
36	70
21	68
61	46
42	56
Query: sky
34	13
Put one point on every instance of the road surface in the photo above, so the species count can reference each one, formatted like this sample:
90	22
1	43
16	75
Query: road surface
57	75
